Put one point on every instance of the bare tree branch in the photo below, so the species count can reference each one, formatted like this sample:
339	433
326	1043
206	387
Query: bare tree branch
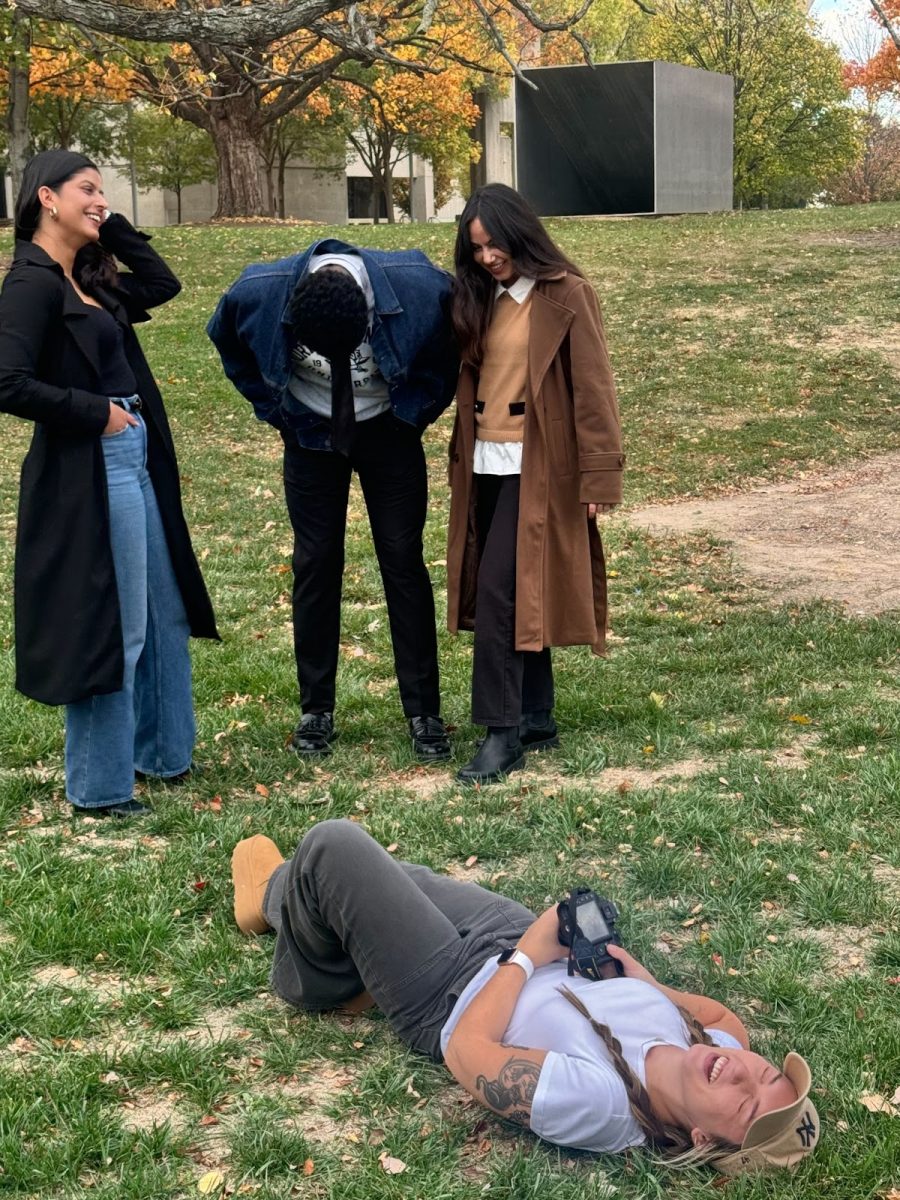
257	24
893	34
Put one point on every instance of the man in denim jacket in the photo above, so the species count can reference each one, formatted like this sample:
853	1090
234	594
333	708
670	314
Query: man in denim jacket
349	353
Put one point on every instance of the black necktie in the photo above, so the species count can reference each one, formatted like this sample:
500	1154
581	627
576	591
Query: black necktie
343	410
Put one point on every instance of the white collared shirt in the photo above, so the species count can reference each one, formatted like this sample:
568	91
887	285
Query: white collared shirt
503	458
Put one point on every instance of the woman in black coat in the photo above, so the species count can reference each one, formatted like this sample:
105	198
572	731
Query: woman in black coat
107	587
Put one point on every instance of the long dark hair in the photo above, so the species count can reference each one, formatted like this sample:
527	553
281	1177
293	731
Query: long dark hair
94	267
515	228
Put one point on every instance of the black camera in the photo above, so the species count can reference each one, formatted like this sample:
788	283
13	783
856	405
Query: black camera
587	925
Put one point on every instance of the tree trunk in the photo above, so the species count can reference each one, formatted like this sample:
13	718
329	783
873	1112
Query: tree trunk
387	188
282	163
270	188
234	132
375	202
178	206
17	113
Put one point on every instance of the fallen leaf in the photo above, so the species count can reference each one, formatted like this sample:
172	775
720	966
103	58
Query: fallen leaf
877	1103
262	790
308	1167
471	860
209	1119
393	847
210	1183
800	719
658	699
200	884
393	1166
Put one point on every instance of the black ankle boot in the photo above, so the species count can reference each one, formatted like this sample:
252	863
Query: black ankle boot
538	731
499	753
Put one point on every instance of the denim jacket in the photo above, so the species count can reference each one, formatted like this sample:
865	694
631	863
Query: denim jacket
411	337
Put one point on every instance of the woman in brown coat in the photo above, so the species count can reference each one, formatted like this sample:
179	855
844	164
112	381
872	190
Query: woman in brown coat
535	455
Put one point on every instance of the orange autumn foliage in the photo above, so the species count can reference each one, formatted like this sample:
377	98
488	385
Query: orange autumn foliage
879	75
58	72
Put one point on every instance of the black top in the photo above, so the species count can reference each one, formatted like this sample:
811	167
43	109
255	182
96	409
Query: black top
107	340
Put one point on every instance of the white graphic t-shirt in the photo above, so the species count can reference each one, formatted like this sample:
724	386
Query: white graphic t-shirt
310	380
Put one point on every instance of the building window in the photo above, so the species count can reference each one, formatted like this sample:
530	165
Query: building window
359	199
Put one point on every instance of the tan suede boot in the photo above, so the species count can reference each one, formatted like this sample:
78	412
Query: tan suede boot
252	864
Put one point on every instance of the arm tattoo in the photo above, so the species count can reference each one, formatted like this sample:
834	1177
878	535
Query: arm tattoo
512	1090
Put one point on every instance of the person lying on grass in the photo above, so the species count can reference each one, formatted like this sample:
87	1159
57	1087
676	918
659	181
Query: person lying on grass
593	1065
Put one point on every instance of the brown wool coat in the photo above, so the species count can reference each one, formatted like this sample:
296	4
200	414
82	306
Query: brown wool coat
571	456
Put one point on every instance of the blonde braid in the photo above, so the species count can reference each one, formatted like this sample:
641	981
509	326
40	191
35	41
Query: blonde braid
696	1032
676	1149
659	1134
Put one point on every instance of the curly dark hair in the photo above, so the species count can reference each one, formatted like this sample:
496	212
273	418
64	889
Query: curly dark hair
328	313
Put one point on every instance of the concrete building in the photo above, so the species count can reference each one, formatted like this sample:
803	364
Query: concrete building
644	137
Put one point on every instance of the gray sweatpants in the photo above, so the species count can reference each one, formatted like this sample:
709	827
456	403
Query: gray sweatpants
349	918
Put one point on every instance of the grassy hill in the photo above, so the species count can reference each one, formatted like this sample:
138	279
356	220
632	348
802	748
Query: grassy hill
730	774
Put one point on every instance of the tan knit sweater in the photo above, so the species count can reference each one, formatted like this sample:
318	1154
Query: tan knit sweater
500	403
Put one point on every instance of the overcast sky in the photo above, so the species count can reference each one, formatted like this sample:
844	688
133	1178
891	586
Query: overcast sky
847	22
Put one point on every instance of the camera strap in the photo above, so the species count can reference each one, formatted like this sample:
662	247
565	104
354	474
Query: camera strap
571	961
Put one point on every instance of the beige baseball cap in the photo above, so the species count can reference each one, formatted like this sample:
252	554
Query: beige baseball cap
782	1137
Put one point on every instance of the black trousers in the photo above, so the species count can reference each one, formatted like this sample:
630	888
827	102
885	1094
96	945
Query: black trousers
505	682
387	455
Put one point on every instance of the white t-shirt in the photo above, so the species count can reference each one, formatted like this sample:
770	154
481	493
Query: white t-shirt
580	1101
310	380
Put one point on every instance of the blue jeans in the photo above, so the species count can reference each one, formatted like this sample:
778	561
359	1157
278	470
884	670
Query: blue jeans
148	726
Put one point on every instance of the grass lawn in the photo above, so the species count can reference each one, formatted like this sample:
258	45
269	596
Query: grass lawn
730	774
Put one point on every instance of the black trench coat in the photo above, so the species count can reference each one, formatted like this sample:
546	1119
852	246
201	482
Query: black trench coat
68	628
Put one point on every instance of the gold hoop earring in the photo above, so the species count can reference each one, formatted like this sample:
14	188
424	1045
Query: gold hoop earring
54	212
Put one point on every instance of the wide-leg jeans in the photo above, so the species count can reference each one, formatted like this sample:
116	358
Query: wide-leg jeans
350	918
148	725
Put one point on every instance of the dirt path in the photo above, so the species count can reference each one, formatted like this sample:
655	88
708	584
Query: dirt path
834	535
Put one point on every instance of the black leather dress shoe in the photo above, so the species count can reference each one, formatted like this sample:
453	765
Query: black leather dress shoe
429	739
538	731
314	735
499	753
128	808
